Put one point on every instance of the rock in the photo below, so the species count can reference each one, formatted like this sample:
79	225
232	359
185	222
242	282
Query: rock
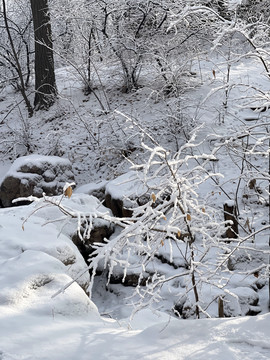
38	278
100	228
243	261
187	310
15	242
126	192
98	234
117	206
241	302
130	279
35	175
95	189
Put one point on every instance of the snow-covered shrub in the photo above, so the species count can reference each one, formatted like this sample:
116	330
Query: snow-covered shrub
174	217
172	243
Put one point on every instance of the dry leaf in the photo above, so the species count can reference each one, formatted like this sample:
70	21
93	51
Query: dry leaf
203	210
179	234
162	242
68	192
188	217
252	184
164	217
23	227
214	73
153	196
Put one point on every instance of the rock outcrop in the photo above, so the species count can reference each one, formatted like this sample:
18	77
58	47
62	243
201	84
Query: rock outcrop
126	192
35	175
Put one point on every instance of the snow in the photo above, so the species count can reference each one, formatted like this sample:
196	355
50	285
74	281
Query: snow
35	264
91	187
41	321
58	337
126	185
37	160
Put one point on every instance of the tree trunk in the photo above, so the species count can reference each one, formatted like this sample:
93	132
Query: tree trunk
230	213
45	84
220	307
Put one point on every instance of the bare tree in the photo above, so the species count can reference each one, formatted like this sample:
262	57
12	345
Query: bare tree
12	58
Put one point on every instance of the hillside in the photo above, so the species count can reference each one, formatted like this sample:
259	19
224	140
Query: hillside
161	176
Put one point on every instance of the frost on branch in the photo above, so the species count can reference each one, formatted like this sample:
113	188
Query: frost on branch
173	225
81	217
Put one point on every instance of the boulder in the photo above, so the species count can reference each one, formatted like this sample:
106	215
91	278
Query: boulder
94	219
117	206
241	301
127	192
35	175
40	241
95	189
98	234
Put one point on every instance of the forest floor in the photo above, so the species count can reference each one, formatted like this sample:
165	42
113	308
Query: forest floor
101	145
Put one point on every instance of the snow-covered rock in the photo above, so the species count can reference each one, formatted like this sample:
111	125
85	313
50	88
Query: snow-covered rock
88	218
240	302
126	192
40	240
95	189
94	211
35	175
30	280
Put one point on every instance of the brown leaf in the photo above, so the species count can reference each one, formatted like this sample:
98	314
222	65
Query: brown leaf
252	184
154	198
68	192
188	217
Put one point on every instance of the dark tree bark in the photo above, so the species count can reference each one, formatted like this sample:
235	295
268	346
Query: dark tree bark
45	84
230	213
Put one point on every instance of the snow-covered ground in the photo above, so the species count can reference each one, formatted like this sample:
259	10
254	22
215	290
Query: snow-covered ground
24	336
36	261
